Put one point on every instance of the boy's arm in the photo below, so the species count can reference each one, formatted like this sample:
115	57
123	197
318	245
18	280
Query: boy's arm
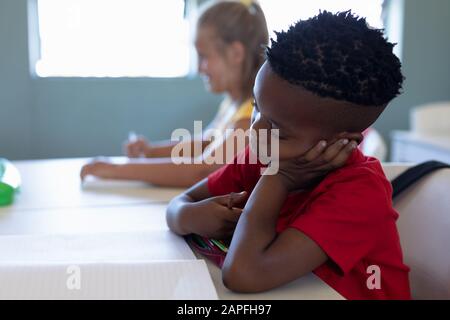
196	211
177	214
259	259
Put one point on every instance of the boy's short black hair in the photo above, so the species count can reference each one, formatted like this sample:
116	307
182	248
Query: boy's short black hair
338	56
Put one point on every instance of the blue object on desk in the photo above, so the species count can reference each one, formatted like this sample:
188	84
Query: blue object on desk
9	182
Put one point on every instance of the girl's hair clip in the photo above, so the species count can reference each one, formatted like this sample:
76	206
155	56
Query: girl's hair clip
250	5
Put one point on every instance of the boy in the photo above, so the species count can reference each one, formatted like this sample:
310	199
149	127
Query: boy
328	209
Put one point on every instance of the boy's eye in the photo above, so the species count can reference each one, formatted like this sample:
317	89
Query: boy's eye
275	133
254	104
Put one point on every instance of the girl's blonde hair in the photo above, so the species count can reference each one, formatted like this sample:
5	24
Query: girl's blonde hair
241	21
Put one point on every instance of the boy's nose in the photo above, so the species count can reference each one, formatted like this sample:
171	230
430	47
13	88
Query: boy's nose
259	122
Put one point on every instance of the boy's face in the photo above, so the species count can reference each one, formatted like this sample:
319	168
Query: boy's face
290	109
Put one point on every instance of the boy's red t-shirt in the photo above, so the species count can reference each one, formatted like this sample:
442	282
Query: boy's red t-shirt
349	215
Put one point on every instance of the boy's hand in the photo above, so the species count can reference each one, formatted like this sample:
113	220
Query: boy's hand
217	217
137	148
311	167
99	169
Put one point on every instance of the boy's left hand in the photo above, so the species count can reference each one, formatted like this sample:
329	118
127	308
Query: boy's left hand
311	167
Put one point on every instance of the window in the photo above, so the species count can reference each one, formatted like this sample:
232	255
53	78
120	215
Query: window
113	38
280	14
145	38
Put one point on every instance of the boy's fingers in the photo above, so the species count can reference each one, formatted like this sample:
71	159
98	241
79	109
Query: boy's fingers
342	156
236	198
315	152
234	215
356	136
222	200
228	200
226	233
237	211
333	150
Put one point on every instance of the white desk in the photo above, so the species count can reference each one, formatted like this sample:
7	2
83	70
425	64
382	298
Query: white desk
52	202
127	218
308	287
48	184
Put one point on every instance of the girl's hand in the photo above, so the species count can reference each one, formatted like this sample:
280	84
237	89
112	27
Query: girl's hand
310	168
216	217
137	148
99	169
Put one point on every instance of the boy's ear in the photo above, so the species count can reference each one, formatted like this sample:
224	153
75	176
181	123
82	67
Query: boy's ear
236	52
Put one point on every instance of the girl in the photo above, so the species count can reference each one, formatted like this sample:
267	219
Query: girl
230	40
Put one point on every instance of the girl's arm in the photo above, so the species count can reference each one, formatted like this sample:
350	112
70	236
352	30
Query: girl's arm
163	149
159	171
162	171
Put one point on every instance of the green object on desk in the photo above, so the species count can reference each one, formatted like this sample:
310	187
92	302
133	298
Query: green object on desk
9	182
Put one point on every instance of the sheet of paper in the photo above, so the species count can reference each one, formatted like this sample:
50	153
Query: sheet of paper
97	247
187	279
93	183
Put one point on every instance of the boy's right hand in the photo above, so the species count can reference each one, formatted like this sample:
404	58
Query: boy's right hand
216	217
137	148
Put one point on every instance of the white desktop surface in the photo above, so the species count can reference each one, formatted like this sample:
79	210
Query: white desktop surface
52	203
50	184
308	287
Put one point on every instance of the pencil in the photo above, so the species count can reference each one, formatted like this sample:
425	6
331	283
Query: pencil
220	245
199	241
